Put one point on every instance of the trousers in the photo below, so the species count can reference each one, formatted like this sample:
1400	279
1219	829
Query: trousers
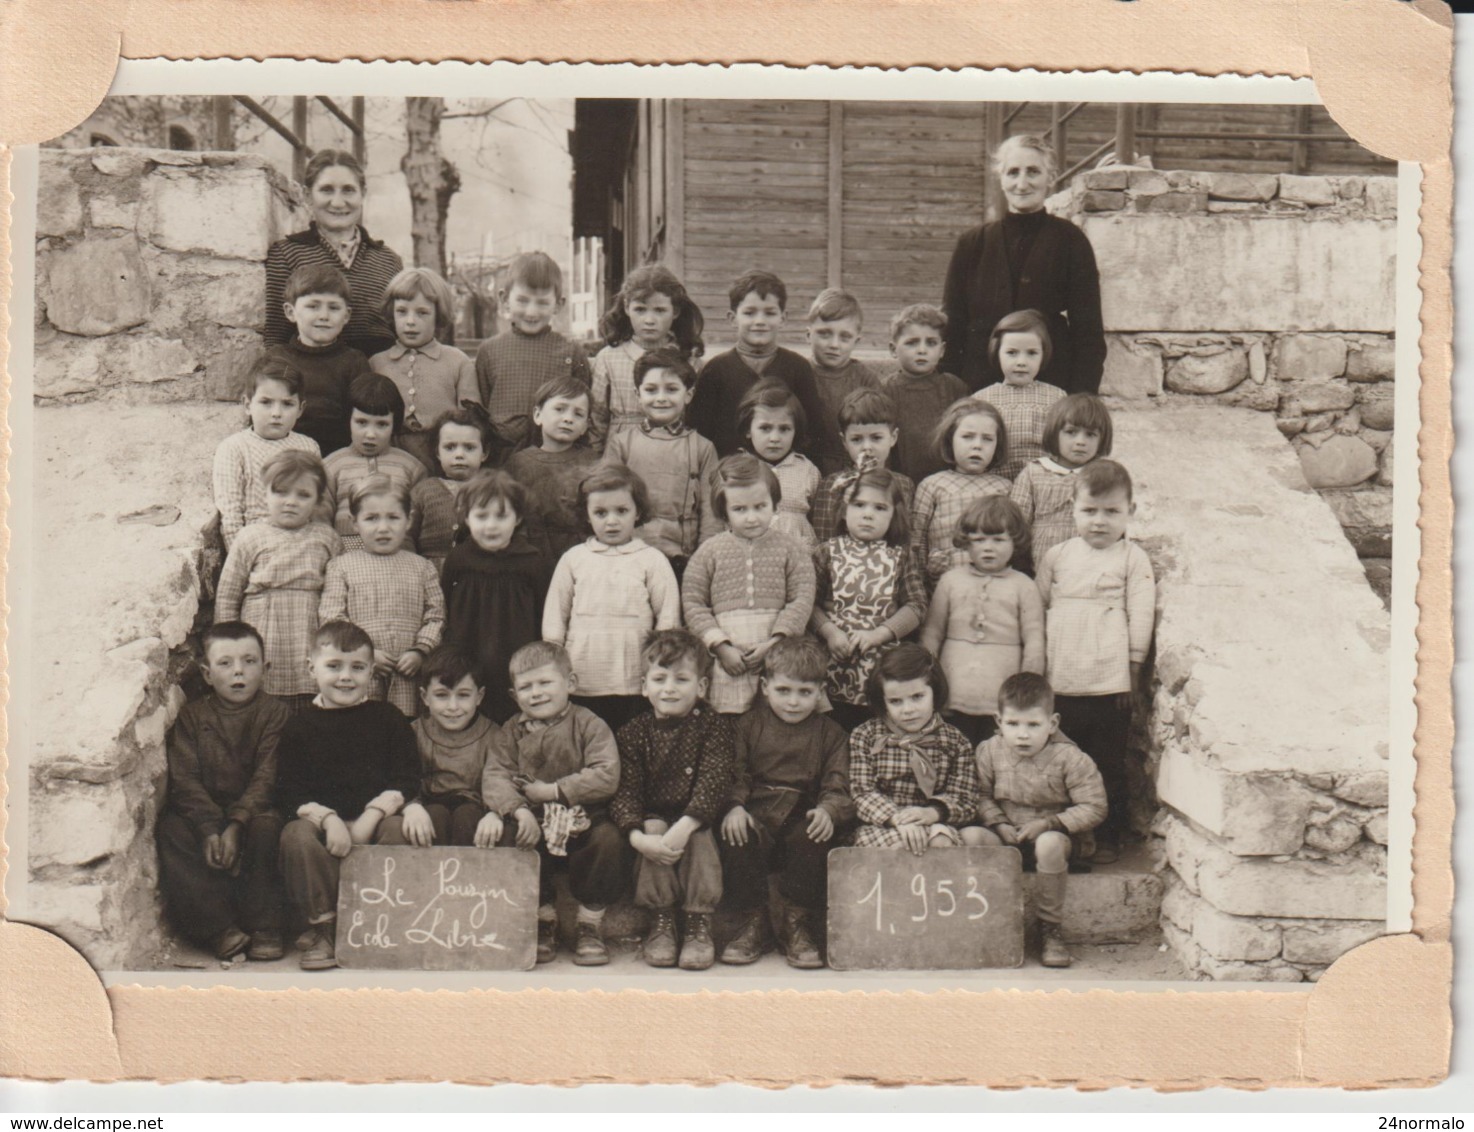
597	864
694	882
1100	726
202	901
802	863
453	818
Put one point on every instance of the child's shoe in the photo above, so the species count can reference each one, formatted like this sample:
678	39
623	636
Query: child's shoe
798	941
322	955
306	939
747	945
547	940
660	940
588	946
230	943
265	946
1107	849
697	950
1055	953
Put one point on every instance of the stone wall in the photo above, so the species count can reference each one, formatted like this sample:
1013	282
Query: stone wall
1268	292
150	273
1268	735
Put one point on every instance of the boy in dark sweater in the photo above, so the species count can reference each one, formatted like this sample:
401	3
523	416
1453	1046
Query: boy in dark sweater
345	764
920	390
790	796
316	302
218	834
675	772
511	367
759	302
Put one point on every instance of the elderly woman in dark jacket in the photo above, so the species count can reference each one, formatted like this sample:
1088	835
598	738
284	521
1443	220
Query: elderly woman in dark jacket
335	187
1028	259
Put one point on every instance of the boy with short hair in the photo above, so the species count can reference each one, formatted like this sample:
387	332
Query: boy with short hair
548	780
1040	792
674	460
790	797
344	754
511	367
1100	599
758	304
675	772
921	392
869	432
316	301
218	833
835	322
375	414
454	740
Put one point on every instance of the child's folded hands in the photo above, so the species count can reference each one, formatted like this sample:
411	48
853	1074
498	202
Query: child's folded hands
336	836
383	663
1007	833
732	659
418	828
529	829
736	824
914	837
1033	829
488	831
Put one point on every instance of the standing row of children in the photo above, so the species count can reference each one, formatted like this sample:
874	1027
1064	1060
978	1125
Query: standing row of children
810	470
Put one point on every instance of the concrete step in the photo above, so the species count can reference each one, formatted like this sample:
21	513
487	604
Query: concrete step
1116	903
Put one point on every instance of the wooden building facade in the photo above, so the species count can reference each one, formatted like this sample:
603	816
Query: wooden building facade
870	196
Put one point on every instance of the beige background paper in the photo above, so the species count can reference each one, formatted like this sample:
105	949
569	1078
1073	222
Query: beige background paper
1379	1017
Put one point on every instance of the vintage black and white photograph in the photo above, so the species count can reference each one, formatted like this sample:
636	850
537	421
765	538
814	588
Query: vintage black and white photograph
765	531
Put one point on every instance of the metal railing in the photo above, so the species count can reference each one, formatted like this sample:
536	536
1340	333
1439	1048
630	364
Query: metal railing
296	136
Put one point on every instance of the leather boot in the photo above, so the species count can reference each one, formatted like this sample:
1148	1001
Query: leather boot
1054	952
798	940
660	940
697	950
747	945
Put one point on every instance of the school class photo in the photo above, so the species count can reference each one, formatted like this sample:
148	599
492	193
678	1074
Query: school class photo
715	535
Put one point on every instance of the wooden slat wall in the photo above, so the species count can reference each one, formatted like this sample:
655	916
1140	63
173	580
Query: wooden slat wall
913	180
756	194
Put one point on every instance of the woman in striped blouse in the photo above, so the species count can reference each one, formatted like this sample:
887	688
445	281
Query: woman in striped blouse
334	180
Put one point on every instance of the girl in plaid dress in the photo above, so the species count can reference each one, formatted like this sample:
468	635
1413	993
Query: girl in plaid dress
273	575
1018	349
972	438
870	591
1076	431
391	594
911	774
771	421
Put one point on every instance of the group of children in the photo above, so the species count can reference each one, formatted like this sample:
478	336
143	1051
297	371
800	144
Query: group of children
673	631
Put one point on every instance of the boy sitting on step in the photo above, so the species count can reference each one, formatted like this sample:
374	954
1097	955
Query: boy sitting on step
1040	792
790	797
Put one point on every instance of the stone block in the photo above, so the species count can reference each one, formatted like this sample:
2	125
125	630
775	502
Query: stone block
1234	937
1325	943
1342	461
1366	516
1207	373
1306	397
1187	270
77	825
1377	406
1309	357
1114	177
1362	788
1306	190
1251	395
1287	888
159	359
1335	836
1242	186
1175	201
1379	439
67	365
97	287
1146	182
58	200
1351	188
72	911
1384	470
1132	371
115	162
231	355
1102	201
1291	426
1232	206
1376	828
225	212
236	299
1350	423
1226	971
1371	359
1252	814
1107	906
112	212
1381	196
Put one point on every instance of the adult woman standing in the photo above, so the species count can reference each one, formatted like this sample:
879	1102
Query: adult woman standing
335	188
1028	259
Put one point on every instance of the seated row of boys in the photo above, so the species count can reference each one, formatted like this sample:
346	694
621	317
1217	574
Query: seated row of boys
263	803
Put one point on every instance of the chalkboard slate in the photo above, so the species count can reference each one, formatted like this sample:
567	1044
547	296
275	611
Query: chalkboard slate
949	909
441	908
